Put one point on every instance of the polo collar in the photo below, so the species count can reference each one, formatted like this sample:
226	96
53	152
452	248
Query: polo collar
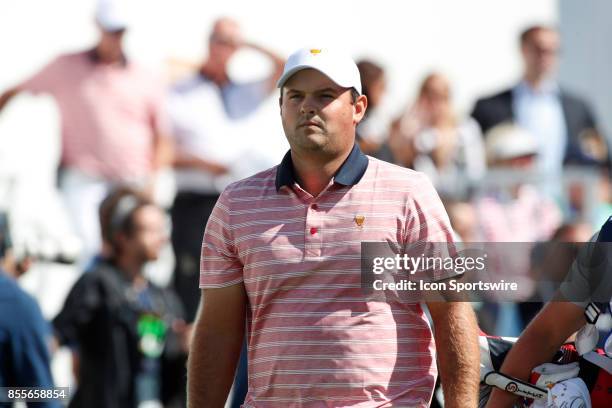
94	57
605	234
548	86
349	174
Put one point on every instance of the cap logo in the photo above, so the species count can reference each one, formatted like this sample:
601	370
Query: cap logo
315	51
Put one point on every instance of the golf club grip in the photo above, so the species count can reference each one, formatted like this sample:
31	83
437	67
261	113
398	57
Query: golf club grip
514	386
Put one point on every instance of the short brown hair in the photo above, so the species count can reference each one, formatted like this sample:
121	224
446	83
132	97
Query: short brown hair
117	212
529	31
370	72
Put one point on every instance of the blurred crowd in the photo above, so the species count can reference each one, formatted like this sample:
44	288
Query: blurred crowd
528	164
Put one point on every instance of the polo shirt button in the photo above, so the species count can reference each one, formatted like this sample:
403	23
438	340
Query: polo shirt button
313	231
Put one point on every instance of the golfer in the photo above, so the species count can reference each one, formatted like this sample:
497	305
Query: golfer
281	260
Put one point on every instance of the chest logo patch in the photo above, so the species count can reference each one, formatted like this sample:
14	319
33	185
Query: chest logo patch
359	220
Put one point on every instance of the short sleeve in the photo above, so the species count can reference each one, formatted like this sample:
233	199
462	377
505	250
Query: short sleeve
428	230
219	263
589	279
427	220
575	287
46	80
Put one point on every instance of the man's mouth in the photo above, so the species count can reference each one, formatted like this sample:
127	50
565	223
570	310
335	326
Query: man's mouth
310	123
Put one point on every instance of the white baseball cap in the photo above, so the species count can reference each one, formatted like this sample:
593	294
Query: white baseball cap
113	15
508	141
340	68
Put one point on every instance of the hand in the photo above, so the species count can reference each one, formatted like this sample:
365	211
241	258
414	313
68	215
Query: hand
414	120
446	145
184	333
230	38
401	145
148	187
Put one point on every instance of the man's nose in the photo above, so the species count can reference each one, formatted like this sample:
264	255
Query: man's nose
308	105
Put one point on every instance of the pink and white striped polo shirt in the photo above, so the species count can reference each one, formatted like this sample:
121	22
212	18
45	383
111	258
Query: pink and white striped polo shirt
109	113
314	339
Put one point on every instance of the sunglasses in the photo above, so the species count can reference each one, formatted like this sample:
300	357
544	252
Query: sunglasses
116	33
222	40
545	50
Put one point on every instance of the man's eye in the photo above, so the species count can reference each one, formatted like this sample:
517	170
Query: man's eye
295	96
328	96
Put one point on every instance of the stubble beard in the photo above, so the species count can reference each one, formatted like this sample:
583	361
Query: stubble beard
314	143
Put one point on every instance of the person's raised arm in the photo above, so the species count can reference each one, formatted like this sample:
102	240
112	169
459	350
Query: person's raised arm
277	61
183	159
456	334
215	348
538	344
43	81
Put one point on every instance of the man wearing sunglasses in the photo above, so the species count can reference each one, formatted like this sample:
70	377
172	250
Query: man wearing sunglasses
208	111
210	115
561	122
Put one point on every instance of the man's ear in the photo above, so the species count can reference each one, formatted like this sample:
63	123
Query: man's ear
361	104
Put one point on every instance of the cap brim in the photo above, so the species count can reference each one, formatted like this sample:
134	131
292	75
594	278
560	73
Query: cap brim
286	75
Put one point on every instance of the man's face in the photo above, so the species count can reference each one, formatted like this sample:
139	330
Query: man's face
436	97
540	51
318	116
224	40
111	44
149	234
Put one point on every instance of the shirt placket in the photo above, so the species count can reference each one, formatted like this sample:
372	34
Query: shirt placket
313	234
